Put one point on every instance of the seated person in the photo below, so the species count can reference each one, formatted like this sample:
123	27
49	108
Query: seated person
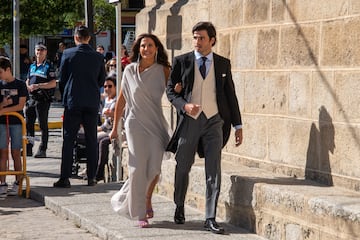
104	130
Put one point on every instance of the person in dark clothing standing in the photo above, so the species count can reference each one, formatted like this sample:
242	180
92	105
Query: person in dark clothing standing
25	62
82	73
59	53
41	85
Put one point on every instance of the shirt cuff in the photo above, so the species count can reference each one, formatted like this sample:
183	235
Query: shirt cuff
238	127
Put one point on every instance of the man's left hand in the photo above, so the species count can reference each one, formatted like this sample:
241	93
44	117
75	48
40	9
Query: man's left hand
238	137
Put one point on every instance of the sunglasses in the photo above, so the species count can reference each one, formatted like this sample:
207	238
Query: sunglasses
112	65
108	86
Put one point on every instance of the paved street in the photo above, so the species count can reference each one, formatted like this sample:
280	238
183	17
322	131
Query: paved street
83	212
28	219
23	218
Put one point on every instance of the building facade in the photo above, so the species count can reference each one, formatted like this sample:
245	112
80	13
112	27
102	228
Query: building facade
296	68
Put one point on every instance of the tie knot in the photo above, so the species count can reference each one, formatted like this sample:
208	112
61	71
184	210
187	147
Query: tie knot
203	67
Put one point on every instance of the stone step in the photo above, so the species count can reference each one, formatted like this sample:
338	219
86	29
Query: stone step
274	206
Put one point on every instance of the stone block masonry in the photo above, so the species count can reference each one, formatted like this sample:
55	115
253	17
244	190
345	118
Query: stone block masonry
295	64
296	70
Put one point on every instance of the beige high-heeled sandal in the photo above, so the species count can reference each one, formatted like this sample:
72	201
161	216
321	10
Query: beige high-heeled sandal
143	223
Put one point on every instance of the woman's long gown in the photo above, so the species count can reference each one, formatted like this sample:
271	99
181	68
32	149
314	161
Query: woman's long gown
147	134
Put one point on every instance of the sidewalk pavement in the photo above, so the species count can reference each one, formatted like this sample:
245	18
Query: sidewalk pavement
85	212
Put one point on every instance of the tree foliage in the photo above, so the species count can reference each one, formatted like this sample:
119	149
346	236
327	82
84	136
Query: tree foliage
39	17
5	21
104	15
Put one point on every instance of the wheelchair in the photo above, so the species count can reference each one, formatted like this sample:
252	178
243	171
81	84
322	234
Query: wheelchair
79	153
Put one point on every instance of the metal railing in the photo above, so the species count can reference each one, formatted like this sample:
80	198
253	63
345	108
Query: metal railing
129	40
21	173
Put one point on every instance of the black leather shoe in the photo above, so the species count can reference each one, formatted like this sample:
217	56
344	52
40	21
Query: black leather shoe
92	182
62	183
40	154
29	151
211	225
98	179
179	217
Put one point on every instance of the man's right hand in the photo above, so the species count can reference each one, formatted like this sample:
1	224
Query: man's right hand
6	101
192	109
33	87
178	87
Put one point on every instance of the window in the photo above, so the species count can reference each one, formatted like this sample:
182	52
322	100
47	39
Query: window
136	4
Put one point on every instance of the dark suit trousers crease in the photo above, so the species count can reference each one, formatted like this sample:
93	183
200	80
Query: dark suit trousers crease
72	121
207	132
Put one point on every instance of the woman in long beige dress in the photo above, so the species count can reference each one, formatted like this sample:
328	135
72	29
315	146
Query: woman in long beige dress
147	131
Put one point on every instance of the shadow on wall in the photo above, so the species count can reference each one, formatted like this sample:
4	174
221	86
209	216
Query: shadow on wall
173	37
317	155
321	142
152	15
174	27
244	199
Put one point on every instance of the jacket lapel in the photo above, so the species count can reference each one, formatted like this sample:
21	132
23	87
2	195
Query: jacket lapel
189	73
218	71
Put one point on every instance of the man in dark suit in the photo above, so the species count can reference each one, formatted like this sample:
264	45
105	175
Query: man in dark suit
207	106
82	73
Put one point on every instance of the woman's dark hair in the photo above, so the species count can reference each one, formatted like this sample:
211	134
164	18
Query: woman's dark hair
126	52
208	26
161	57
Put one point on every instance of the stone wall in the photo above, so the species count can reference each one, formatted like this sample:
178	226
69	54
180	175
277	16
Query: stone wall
296	69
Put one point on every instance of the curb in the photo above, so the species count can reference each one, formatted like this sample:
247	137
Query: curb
51	125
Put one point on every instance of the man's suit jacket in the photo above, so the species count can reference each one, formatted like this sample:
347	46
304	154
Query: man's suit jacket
82	73
183	71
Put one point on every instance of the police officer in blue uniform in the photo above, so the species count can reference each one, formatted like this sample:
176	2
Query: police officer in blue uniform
41	85
82	73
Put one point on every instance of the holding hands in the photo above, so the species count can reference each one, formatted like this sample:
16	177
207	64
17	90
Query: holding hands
33	87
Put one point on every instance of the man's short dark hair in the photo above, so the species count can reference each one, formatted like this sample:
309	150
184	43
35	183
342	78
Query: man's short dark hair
82	32
5	62
208	26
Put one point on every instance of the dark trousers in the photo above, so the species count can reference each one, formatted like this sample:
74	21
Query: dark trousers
40	111
72	120
104	142
208	133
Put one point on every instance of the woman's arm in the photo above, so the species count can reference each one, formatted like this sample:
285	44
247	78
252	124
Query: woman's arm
47	85
119	109
167	74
